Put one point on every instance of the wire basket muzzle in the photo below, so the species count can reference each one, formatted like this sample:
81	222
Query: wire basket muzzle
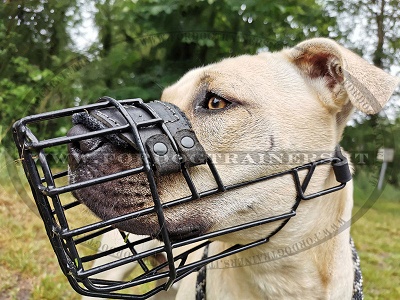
164	141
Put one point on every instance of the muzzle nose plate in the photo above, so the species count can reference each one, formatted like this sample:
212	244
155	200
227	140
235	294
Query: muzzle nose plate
164	130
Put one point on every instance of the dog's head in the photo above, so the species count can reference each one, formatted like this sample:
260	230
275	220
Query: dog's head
241	109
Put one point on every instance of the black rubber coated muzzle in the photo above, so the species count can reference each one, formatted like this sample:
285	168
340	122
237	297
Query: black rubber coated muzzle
163	137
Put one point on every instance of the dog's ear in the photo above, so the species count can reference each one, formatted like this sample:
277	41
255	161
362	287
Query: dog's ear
342	78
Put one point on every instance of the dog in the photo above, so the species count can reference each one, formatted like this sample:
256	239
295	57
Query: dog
296	100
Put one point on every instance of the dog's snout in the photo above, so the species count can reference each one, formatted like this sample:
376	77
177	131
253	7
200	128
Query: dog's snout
77	130
89	145
86	145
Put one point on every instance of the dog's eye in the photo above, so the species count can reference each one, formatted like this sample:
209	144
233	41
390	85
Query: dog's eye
215	102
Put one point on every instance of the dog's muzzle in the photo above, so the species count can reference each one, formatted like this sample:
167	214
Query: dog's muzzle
165	144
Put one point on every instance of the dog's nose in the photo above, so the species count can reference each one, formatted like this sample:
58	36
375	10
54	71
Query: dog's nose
86	145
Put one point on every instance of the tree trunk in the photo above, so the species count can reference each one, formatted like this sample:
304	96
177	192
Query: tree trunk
106	38
379	18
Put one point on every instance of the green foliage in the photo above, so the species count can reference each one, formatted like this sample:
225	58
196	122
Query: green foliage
146	45
33	48
364	139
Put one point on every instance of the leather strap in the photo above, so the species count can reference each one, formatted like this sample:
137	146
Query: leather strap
164	130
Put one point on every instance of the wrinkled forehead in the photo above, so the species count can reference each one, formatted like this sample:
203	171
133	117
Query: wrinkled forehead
239	78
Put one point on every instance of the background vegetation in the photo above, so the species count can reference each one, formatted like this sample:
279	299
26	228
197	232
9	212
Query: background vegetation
134	49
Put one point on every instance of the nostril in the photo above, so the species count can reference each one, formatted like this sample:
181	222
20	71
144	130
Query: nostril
75	145
87	145
77	130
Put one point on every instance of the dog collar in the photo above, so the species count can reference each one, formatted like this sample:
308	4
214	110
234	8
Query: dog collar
201	280
358	279
133	123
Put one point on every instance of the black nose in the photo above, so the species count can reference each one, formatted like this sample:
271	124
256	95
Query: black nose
86	145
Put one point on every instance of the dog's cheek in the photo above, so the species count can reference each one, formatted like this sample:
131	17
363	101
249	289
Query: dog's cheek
252	203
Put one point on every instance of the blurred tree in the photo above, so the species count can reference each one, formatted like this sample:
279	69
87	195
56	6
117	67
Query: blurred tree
372	28
142	46
394	174
145	45
34	43
364	138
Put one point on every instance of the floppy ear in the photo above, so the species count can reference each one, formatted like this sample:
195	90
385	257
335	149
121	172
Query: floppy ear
342	78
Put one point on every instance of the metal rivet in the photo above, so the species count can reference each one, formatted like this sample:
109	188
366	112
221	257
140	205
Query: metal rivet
160	149
187	142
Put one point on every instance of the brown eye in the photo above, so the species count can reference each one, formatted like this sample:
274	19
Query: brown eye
215	102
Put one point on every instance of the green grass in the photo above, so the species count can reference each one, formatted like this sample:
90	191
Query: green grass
29	269
377	238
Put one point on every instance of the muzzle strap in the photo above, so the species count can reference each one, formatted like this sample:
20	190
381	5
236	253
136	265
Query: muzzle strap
164	130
